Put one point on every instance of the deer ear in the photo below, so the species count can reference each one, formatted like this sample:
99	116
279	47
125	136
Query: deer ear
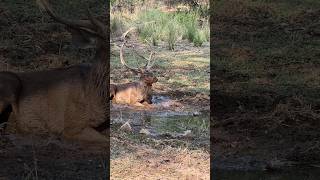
82	39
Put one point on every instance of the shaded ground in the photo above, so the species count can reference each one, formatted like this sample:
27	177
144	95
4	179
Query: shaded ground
31	158
265	84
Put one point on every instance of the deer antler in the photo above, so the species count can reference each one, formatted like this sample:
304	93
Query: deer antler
135	70
148	65
151	57
85	25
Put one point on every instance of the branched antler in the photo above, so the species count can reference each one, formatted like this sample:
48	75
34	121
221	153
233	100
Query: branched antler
149	63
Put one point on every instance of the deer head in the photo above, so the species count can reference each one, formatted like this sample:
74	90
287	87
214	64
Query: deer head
145	72
85	33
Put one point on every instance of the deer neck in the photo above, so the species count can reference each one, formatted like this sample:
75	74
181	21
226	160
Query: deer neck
99	75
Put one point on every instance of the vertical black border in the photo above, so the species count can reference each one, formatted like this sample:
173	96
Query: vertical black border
107	157
211	5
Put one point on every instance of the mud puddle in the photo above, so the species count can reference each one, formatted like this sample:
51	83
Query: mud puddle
164	122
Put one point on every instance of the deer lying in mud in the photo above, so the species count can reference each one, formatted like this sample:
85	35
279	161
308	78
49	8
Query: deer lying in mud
134	93
70	102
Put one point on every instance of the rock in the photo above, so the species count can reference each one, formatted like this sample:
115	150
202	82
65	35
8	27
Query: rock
187	133
196	113
126	127
144	131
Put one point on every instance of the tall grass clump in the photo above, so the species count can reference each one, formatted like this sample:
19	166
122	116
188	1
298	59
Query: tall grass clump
153	24
199	38
192	29
156	25
117	25
172	34
189	23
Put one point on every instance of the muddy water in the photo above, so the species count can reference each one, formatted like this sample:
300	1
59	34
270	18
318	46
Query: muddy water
164	122
295	174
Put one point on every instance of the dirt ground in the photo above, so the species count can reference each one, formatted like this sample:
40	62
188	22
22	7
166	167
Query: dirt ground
265	83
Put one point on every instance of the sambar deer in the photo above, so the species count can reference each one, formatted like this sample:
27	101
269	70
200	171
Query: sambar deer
70	102
10	86
134	93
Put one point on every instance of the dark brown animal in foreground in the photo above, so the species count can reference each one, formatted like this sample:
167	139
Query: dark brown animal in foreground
70	102
10	87
134	93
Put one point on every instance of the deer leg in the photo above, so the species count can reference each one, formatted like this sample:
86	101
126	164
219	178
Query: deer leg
91	135
146	104
138	104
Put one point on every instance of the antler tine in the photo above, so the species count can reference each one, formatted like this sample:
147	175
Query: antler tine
75	24
151	57
121	52
148	66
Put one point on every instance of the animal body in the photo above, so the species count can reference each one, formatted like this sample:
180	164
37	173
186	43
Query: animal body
134	93
70	102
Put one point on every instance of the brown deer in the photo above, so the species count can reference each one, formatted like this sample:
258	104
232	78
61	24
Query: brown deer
10	86
134	93
70	102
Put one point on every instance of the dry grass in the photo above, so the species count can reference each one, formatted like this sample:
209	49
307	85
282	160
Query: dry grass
170	163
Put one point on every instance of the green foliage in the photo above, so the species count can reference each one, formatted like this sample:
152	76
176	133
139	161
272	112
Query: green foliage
172	33
199	38
155	25
170	27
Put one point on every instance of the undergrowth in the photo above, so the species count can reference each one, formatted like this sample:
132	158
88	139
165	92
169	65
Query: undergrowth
156	24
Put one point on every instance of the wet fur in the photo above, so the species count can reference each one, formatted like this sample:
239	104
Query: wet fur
133	93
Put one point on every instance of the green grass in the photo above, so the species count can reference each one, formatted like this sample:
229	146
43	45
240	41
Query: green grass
156	25
184	71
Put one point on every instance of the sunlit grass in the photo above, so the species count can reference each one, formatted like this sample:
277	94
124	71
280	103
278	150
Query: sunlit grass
185	70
